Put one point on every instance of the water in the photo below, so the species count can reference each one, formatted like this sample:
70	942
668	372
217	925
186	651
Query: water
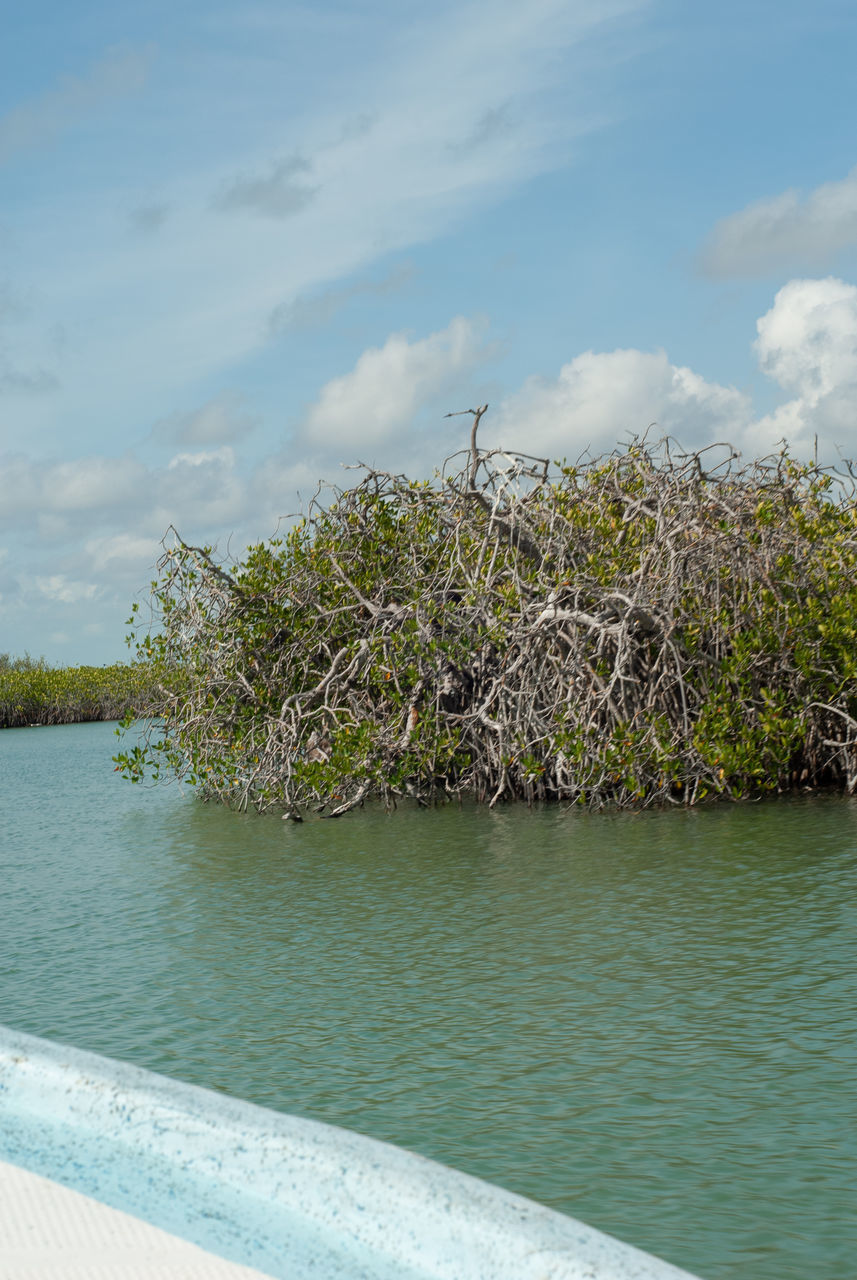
647	1021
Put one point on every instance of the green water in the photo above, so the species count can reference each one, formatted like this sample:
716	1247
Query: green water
646	1021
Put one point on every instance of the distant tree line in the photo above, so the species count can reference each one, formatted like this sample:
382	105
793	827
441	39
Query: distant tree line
32	692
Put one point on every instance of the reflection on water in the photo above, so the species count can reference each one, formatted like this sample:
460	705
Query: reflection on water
646	1021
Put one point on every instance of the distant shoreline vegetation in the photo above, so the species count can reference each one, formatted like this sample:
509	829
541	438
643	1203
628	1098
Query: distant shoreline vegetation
34	693
653	627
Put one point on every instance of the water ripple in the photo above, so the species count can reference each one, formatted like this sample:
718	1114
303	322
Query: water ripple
646	1021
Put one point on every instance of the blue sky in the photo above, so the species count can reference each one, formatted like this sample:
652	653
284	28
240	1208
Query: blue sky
241	245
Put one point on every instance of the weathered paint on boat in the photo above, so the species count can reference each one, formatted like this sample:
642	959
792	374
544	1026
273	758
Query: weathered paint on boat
291	1197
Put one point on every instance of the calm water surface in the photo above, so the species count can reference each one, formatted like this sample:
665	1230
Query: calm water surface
646	1021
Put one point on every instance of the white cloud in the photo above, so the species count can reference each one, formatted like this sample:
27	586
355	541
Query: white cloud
202	458
283	485
785	229
119	72
121	551
387	385
60	588
808	340
88	559
807	343
602	397
66	501
64	489
91	483
198	492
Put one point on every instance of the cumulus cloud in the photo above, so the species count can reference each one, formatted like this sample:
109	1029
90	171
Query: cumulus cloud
381	394
601	397
786	229
808	340
225	417
806	343
41	119
281	194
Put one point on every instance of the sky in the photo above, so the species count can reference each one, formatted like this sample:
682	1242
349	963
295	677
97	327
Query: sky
246	246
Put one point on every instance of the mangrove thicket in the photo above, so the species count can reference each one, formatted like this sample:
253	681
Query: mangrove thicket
650	627
32	692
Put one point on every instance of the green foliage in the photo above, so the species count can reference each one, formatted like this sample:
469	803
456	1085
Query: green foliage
640	629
